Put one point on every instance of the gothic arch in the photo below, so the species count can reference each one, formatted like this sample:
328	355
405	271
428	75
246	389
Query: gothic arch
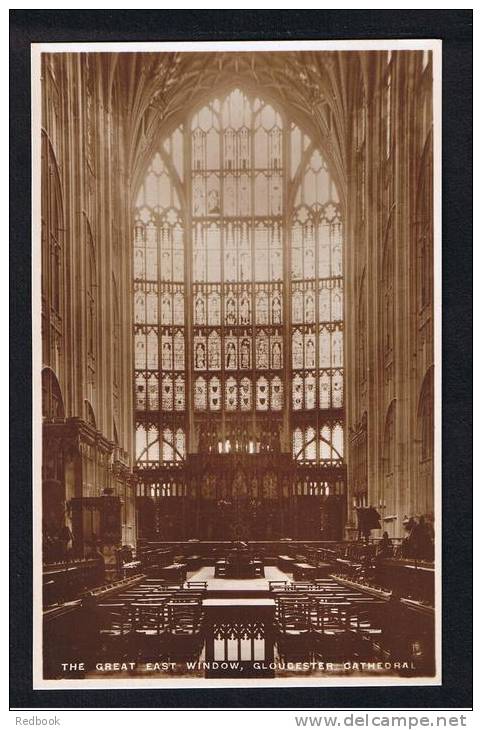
425	445
157	120
424	227
387	303
388	464
116	336
362	349
52	399
91	292
89	414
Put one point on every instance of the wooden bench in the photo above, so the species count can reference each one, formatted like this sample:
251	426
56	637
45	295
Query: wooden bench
286	562
174	572
302	571
323	570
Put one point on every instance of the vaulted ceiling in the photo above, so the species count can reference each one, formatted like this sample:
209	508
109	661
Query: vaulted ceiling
152	92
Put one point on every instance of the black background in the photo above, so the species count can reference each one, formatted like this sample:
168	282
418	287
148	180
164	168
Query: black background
454	27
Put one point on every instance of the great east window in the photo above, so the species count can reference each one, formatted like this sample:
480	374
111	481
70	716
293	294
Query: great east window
238	290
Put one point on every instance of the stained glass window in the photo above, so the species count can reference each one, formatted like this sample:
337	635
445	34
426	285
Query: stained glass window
317	304
324	445
231	394
159	295
262	395
276	394
245	394
263	260
388	321
215	394
237	213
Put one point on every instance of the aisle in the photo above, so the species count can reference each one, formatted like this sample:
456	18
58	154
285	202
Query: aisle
238	585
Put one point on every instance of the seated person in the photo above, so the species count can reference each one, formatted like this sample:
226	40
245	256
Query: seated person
385	547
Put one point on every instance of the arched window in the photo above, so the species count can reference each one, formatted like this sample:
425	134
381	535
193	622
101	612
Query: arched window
425	443
91	297
362	336
388	463
89	414
52	256
388	312
324	445
238	219
424	227
116	338
317	301
52	401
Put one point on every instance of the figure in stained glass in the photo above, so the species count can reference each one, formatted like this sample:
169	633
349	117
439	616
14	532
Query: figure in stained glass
262	308
200	358
245	354
310	352
297	304
297	350
139	307
178	308
166	265
262	352
230	311
337	344
276	356
166	355
309	307
200	314
166	311
244	310
214	309
276	310
139	268
213	202
231	359
214	351
309	264
198	200
179	351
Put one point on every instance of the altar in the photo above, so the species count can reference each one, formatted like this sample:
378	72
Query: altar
239	563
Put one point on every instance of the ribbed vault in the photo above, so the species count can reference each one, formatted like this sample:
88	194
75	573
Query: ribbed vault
153	91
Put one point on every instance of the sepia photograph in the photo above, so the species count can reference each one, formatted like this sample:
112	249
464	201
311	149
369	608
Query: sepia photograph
236	330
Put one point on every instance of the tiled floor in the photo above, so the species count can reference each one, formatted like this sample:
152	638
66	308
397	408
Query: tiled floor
239	584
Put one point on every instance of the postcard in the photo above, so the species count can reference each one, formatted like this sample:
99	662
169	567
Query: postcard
236	317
